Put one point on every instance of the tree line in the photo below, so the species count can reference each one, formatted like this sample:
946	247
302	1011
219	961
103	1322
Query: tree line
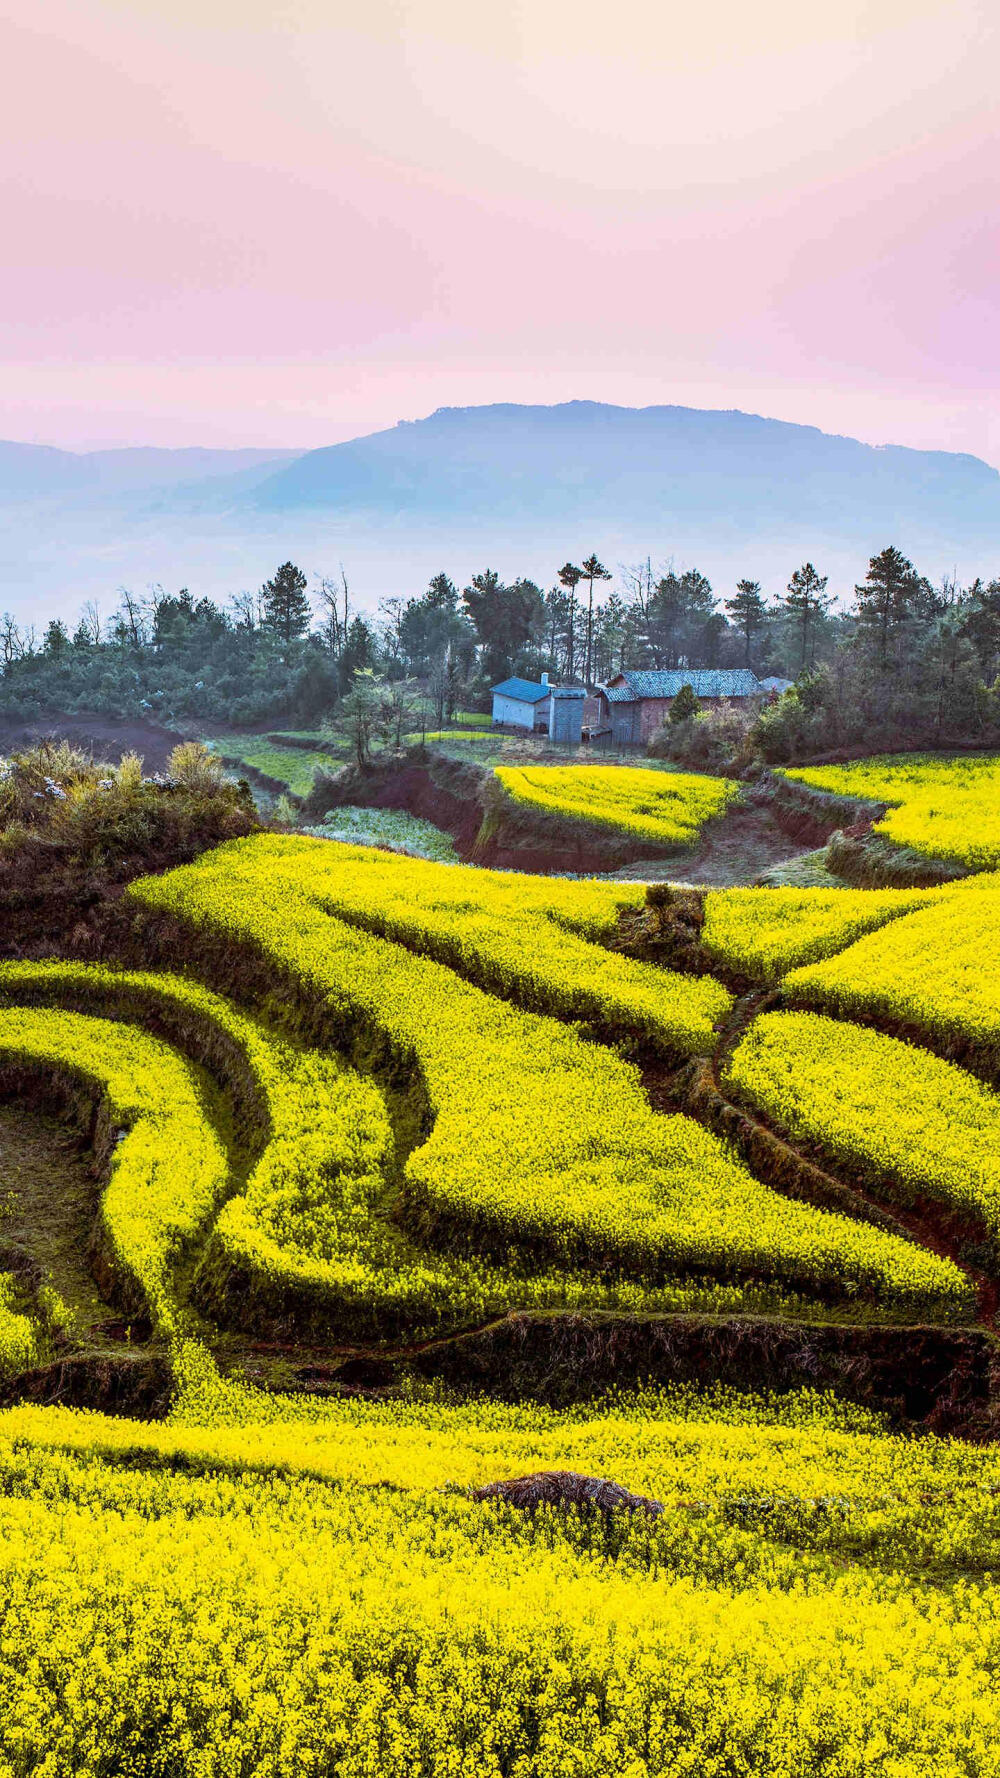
907	653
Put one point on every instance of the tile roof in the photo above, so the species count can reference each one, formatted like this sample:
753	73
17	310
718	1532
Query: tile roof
705	682
525	690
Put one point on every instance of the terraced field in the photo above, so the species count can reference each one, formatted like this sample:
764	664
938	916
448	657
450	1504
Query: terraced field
942	806
666	808
507	1155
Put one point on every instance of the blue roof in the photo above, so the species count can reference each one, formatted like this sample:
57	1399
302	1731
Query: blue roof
524	690
705	682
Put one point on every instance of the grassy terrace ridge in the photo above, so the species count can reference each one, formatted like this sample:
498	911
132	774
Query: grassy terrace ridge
291	768
540	1143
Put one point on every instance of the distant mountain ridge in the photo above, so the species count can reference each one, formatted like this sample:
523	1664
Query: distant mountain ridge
516	487
587	461
30	471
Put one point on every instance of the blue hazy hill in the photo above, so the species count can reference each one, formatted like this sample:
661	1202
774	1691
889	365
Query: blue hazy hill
591	462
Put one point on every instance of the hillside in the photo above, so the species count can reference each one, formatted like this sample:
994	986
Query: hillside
589	462
549	1319
516	487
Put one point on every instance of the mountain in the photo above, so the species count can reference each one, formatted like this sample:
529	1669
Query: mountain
657	467
516	488
31	472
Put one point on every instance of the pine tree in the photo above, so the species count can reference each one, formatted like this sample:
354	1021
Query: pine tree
569	577
747	612
889	598
56	639
286	608
808	603
592	570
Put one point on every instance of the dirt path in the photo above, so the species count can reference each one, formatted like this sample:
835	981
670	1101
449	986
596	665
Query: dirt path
47	1205
735	849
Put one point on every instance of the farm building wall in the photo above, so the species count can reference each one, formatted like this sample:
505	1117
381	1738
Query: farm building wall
519	714
653	712
624	724
566	721
636	722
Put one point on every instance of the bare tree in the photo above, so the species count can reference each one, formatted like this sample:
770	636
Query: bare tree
91	617
335	599
132	616
13	641
639	583
245	608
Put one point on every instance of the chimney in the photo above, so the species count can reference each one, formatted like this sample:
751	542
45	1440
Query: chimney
545	679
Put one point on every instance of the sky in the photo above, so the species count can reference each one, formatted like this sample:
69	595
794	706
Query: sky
231	222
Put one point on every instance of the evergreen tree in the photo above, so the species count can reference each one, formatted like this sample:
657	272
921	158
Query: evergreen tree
592	570
683	706
570	577
509	622
980	614
286	608
893	594
678	611
807	603
56	639
747	613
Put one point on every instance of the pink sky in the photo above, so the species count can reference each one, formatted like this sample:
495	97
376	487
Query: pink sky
229	222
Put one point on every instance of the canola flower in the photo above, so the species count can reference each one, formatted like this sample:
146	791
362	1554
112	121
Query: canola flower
18	1334
933	972
907	1121
540	1142
527	939
945	806
668	808
285	1597
168	1167
765	932
308	1236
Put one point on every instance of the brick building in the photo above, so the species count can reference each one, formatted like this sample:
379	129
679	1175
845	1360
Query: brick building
635	703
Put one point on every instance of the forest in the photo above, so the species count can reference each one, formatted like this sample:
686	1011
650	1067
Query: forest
898	662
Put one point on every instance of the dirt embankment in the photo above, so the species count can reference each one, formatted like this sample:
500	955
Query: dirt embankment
487	826
102	736
811	815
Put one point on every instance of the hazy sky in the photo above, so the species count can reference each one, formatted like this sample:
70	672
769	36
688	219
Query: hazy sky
231	222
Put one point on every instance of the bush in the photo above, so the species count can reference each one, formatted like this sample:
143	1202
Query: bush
60	807
717	739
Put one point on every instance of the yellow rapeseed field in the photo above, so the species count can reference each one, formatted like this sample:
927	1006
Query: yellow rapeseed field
357	1098
666	807
269	1597
542	1143
946	806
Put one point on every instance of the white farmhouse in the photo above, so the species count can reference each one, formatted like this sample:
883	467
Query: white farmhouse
523	703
